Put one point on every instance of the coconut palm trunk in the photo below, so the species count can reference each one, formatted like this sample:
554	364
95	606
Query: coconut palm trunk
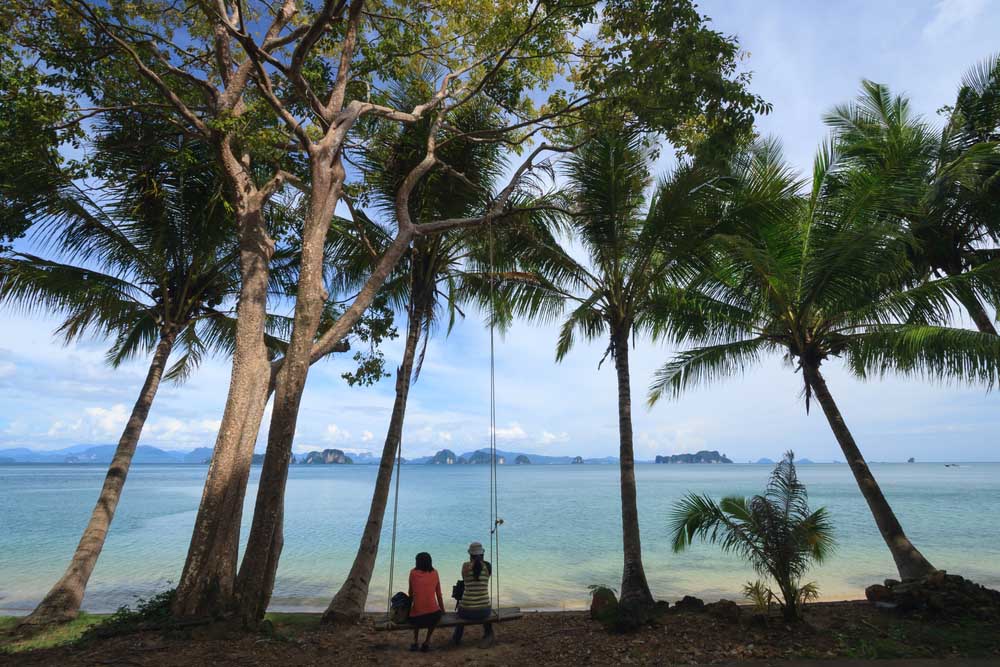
348	604
635	592
62	603
910	563
209	571
976	311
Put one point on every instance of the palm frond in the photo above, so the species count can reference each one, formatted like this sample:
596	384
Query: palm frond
89	301
586	319
702	365
931	352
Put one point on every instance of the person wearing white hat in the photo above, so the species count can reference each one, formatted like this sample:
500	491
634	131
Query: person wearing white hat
475	602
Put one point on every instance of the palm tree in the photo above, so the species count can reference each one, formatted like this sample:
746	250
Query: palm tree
942	185
976	114
776	532
149	265
428	282
818	277
632	252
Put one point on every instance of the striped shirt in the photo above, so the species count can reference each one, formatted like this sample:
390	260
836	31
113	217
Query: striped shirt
477	591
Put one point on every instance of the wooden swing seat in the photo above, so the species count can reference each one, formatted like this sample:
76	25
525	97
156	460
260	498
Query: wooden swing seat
452	619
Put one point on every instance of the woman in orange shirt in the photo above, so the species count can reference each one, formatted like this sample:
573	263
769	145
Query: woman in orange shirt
426	603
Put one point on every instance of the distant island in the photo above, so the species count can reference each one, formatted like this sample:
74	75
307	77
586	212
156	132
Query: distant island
704	456
145	454
203	455
445	457
482	456
327	457
767	461
103	454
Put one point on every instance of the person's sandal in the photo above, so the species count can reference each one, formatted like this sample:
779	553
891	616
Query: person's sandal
414	647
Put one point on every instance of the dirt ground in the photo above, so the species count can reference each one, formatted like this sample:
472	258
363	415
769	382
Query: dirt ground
843	631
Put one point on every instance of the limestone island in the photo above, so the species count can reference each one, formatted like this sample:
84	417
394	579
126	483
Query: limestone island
704	456
327	456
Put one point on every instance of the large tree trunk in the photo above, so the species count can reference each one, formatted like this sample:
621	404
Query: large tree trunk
910	562
206	584
265	552
635	592
63	602
260	562
348	605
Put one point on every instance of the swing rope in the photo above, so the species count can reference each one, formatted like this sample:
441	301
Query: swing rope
410	310
395	512
495	520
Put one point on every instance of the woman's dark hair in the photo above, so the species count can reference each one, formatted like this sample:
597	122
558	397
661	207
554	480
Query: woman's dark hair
477	567
424	562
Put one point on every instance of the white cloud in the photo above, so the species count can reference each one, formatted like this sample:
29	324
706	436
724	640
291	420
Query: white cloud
335	433
95	424
445	436
683	438
952	15
550	438
174	431
367	436
512	432
108	421
62	428
7	369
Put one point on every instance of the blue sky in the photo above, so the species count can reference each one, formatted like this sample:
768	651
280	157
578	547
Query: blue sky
806	57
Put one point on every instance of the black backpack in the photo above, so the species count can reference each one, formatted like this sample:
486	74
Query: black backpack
458	590
399	607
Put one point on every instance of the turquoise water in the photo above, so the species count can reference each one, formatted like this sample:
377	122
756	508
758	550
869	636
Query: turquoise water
561	530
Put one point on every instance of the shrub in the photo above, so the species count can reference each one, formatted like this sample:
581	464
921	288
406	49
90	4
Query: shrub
775	532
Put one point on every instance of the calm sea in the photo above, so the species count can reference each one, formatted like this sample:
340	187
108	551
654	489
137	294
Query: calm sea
560	534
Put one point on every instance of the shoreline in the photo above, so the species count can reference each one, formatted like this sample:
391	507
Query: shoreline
832	631
374	612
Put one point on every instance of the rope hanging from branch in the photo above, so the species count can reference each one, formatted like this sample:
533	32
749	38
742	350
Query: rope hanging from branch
495	520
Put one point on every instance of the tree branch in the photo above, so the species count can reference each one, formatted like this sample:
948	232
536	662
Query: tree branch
88	15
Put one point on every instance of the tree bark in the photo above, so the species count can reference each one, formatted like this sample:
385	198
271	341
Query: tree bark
62	603
207	581
635	593
348	605
257	572
976	311
910	563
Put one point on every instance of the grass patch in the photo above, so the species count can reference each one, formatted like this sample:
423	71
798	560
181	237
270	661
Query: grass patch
56	635
922	639
967	637
151	613
148	614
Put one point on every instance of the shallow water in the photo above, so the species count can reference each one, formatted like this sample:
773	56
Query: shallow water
561	528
